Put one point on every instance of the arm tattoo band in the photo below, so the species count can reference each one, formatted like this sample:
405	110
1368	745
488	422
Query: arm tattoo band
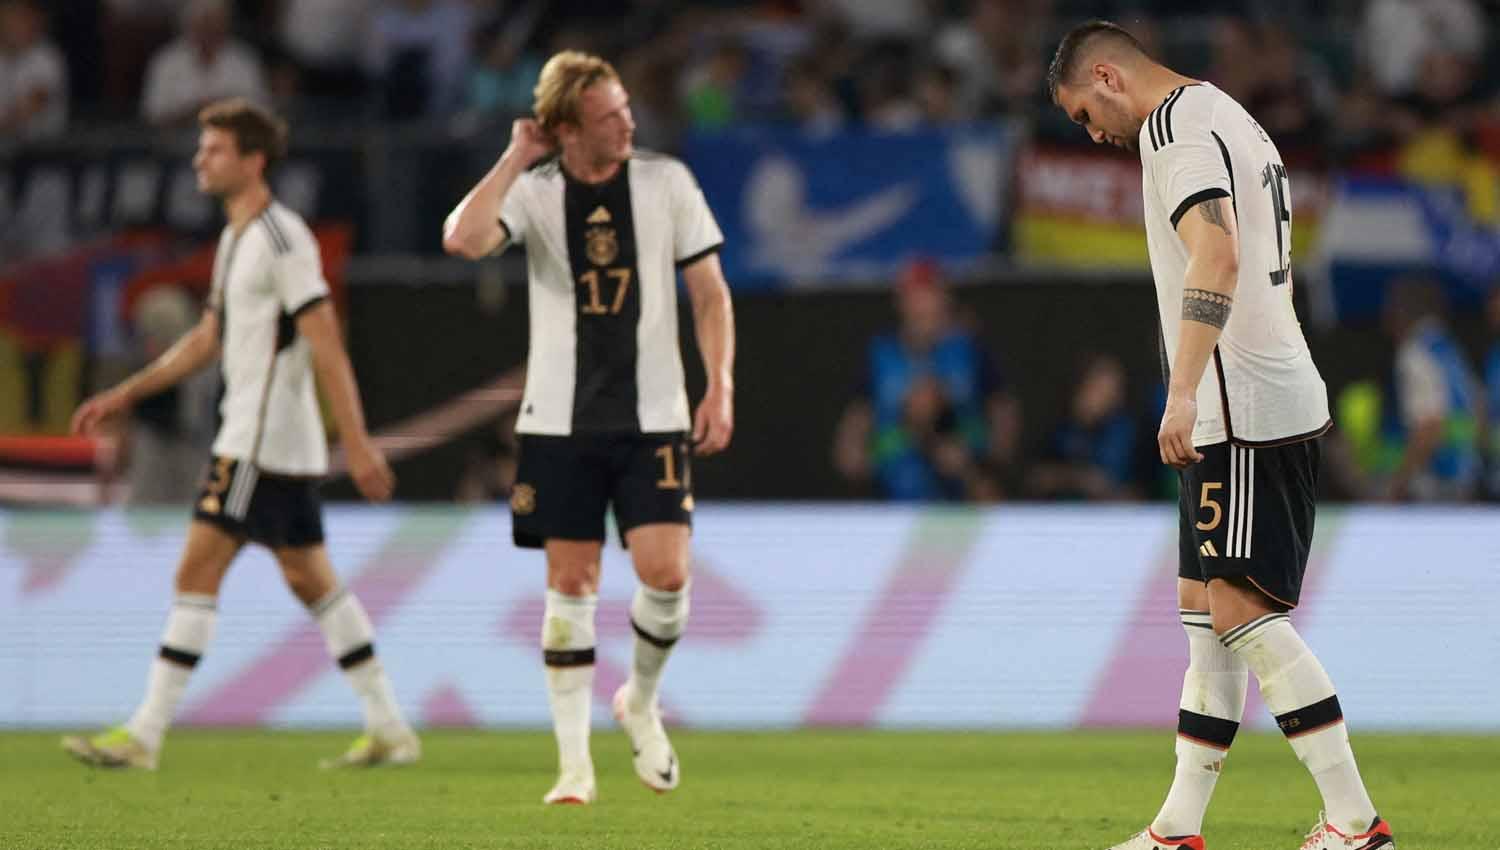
1213	212
1210	308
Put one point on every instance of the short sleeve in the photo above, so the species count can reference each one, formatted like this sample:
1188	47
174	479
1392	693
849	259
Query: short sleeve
513	216
1189	163
298	277
695	233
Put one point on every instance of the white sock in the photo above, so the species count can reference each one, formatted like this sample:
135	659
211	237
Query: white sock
1297	690
350	638
190	626
658	618
1213	701
568	652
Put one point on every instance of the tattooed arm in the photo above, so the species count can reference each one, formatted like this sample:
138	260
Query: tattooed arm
1210	233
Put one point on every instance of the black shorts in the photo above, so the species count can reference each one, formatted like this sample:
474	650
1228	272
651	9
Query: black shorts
273	510
564	485
1248	513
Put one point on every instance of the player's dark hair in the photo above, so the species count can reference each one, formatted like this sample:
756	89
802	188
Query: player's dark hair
1075	46
255	128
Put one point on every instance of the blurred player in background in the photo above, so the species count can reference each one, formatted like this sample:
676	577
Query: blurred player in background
270	318
1244	434
604	420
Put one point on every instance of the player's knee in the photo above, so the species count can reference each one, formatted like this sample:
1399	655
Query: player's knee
669	575
577	581
303	583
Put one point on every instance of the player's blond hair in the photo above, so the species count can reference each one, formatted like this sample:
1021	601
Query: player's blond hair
561	86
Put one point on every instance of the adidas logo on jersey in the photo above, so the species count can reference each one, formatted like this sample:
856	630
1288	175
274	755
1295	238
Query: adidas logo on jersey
600	215
1207	550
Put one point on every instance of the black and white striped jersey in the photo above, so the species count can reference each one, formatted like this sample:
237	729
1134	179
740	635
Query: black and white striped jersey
602	261
263	278
1261	386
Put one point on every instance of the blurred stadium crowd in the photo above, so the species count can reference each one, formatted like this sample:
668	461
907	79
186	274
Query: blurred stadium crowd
1329	79
1379	87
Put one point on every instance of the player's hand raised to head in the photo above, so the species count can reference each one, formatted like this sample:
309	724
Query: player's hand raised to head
713	424
372	475
1175	438
93	412
528	140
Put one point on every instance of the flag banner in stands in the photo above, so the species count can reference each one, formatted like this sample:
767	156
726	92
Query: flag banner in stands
852	206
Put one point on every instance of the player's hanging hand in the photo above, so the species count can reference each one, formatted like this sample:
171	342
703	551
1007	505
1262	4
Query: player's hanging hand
372	475
528	141
93	412
713	424
1175	438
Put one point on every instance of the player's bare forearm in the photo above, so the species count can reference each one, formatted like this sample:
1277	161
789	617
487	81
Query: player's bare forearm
319	326
1208	232
713	320
194	350
367	466
473	229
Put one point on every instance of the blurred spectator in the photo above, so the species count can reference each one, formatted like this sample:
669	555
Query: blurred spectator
936	421
170	433
1397	36
325	37
1236	68
1291	96
505	73
651	80
1093	453
1434	413
811	101
937	94
33	77
1000	50
886	99
711	91
419	52
876	19
203	65
1492	396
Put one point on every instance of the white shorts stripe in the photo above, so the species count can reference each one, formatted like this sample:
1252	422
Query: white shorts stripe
241	490
1249	500
1234	504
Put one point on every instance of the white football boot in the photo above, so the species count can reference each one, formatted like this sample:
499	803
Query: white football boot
114	747
655	762
1325	837
1148	840
573	788
374	748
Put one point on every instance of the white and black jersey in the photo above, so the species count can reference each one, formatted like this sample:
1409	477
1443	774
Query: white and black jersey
602	261
264	277
1261	387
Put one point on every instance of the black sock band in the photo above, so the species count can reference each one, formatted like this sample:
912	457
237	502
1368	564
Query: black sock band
179	657
1213	732
1309	719
568	657
659	643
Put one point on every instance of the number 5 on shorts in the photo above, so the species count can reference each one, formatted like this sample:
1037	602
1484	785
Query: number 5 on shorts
1206	501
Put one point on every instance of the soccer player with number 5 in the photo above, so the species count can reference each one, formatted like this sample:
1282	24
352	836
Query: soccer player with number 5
604	419
1245	411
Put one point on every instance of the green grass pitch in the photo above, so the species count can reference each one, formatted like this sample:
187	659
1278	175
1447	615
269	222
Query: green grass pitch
1046	791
